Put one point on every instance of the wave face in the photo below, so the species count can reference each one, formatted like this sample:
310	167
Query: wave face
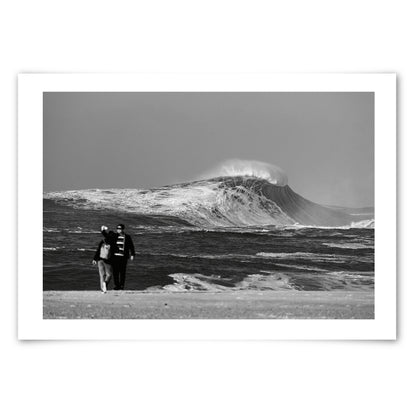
227	201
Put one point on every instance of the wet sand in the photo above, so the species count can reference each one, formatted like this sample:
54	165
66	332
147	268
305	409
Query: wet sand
200	305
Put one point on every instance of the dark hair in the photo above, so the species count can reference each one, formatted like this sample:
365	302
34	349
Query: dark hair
121	226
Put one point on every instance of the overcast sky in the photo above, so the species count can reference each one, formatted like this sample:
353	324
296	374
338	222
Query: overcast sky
323	141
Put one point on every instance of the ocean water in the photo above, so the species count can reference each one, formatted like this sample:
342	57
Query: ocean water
228	233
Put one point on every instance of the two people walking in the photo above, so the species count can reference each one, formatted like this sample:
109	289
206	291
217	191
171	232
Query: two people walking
112	255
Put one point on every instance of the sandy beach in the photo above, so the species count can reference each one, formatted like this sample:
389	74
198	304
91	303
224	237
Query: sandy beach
199	305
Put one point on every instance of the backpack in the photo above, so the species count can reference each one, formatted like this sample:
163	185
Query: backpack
105	251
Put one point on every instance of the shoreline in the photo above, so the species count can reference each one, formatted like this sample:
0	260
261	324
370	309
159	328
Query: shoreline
236	304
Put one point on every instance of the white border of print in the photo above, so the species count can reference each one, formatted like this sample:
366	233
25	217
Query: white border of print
31	324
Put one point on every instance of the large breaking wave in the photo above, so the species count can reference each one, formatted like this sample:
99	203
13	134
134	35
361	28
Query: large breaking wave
251	194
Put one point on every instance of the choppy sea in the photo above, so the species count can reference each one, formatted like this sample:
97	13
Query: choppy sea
176	255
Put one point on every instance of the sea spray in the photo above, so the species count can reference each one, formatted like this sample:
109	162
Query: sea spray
250	168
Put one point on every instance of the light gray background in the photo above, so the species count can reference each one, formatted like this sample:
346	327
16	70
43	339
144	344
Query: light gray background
323	141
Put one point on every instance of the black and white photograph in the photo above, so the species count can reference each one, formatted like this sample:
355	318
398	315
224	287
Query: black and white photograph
191	207
223	205
208	208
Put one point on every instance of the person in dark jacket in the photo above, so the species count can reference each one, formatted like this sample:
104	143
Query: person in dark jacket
102	258
123	247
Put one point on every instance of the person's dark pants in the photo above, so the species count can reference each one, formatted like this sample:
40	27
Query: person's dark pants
119	271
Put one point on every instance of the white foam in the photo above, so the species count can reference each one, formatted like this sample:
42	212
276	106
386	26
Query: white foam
253	168
363	224
328	258
266	280
297	254
358	224
352	275
353	246
185	282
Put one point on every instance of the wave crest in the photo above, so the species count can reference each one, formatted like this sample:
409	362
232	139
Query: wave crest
253	168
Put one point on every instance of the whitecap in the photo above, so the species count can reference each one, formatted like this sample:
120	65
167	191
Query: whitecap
352	246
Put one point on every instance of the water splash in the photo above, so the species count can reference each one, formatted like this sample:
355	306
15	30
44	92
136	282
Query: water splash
253	168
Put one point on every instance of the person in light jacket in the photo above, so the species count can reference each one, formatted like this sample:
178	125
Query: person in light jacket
103	258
